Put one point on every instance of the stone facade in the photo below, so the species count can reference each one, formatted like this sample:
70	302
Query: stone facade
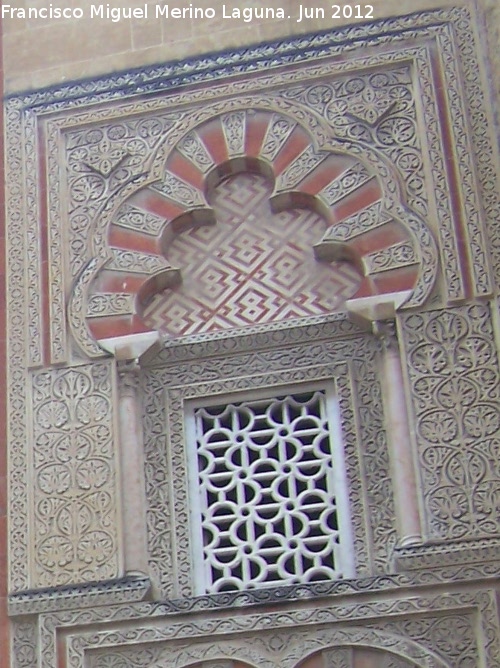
319	210
40	52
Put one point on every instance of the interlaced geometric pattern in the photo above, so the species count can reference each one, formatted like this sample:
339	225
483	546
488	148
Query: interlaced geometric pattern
271	491
251	266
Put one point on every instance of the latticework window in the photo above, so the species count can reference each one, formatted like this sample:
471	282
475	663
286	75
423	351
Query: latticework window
268	492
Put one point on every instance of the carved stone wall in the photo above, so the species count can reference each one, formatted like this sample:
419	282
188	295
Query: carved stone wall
73	468
266	360
379	135
453	369
423	629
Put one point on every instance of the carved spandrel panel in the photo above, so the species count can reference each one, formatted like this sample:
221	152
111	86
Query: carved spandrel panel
454	378
101	160
376	108
74	524
452	637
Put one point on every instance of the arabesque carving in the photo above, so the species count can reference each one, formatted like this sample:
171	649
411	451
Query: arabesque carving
75	534
453	369
113	148
285	359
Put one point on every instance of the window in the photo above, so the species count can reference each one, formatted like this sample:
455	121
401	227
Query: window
268	493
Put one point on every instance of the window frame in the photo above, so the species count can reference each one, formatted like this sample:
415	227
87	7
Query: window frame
329	348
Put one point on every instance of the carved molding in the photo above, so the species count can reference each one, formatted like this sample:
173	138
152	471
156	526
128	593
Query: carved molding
437	629
269	362
110	592
437	555
432	572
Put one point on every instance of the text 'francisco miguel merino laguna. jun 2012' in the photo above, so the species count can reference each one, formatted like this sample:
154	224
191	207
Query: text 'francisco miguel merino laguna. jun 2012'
190	11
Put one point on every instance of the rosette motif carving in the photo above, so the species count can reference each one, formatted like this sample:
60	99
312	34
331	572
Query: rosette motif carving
453	368
74	468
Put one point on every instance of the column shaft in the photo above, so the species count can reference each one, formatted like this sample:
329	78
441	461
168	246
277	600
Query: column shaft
400	447
132	474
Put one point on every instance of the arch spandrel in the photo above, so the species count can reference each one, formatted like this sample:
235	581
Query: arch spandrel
352	188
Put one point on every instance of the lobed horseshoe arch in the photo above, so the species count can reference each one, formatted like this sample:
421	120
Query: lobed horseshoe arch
353	647
375	649
354	191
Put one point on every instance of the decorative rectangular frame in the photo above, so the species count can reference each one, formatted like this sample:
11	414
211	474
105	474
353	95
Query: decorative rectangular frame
328	351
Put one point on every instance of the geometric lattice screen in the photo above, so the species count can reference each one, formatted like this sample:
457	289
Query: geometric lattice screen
251	266
267	491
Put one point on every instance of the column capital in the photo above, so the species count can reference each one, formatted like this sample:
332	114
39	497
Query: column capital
128	374
370	312
387	333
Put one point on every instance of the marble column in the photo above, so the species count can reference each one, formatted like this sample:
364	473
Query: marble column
399	441
132	471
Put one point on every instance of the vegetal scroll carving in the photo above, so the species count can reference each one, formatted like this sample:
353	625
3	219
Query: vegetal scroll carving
453	368
352	181
74	493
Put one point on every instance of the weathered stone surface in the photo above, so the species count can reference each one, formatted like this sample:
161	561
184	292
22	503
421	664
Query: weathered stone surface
96	172
41	52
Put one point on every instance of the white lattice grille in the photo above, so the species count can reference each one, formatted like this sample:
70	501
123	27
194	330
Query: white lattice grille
270	489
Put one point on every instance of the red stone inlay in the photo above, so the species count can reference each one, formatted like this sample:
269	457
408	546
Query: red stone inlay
213	137
395	280
119	282
293	147
183	168
367	194
256	126
131	240
151	201
106	328
325	173
379	239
